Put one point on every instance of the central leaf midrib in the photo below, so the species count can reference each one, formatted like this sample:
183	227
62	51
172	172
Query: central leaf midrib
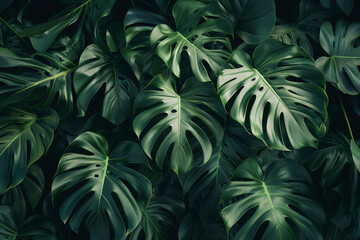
275	93
267	194
102	182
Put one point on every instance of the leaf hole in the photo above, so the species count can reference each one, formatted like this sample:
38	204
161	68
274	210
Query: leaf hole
96	175
173	111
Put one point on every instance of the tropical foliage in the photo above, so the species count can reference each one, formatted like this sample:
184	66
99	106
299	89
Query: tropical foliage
179	119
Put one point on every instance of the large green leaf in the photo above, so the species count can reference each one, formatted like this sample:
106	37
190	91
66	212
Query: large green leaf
168	117
95	187
235	146
252	20
89	12
275	198
161	218
29	191
98	67
341	67
13	227
24	138
279	93
193	37
41	83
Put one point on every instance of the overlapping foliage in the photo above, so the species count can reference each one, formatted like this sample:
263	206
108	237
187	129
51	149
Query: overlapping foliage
179	119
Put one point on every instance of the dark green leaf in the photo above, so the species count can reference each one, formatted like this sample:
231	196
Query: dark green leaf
24	138
276	198
98	67
341	67
97	187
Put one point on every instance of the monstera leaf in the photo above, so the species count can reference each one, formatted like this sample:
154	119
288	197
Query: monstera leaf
89	12
41	83
95	187
192	36
24	138
275	199
334	155
304	29
235	146
98	67
168	117
161	218
139	23
279	93
341	68
29	191
252	20
14	227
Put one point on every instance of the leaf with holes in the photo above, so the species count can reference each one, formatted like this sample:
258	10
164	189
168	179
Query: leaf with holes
28	192
39	83
342	66
13	226
97	67
305	28
272	202
24	138
95	187
235	146
161	218
167	120
193	37
279	95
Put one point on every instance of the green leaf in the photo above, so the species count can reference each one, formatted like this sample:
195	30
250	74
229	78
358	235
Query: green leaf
98	67
169	117
90	11
252	20
95	187
235	146
304	29
341	67
275	198
29	191
161	218
16	228
279	93
24	138
355	150
193	37
335	157
345	5
42	84
193	226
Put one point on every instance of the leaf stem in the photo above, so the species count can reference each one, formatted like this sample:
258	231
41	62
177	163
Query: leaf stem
346	117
